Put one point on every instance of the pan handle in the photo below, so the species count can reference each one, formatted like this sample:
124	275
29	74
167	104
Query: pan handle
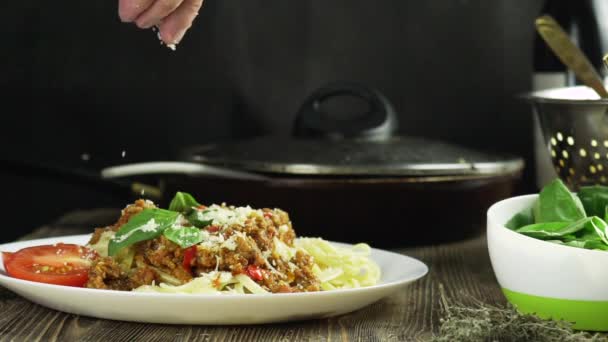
86	178
378	122
180	168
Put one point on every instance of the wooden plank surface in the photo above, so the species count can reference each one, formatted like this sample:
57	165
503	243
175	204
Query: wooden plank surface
462	269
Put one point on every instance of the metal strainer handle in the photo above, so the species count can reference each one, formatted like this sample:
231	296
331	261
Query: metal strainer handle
559	41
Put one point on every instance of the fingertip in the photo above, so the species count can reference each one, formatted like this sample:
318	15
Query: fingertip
130	10
173	28
142	24
125	17
126	13
170	35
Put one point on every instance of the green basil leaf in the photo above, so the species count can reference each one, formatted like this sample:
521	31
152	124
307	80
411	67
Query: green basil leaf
184	236
552	230
592	244
575	243
557	204
601	228
592	237
596	245
521	219
183	202
148	224
197	219
588	234
594	199
572	237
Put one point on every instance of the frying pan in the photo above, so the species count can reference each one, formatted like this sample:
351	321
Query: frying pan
345	177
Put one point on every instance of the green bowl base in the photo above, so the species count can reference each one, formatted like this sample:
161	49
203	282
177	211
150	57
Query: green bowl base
585	315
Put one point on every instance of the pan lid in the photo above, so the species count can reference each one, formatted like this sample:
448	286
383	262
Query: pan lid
397	156
356	142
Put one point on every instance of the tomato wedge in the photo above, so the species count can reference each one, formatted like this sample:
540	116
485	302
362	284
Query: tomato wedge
6	256
60	264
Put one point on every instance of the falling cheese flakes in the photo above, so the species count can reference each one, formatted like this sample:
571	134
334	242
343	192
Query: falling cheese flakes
170	46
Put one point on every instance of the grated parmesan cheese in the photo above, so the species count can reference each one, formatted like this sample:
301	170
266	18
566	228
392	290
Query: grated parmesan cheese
150	226
212	242
180	222
169	46
184	234
284	252
226	216
230	244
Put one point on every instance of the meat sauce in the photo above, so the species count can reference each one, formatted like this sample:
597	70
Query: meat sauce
235	248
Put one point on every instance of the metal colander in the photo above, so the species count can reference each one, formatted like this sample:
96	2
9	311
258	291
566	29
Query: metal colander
574	122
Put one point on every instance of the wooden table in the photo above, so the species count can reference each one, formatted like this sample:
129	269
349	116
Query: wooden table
462	269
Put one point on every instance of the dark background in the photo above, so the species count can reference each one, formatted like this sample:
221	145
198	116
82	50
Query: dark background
76	80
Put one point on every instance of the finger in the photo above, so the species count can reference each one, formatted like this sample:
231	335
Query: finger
174	27
129	10
158	11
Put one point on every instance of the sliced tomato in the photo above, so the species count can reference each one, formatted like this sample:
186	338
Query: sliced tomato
60	264
6	256
189	255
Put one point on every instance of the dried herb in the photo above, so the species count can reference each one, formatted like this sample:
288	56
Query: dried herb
482	322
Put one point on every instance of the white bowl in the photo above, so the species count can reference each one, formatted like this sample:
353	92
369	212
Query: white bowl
550	280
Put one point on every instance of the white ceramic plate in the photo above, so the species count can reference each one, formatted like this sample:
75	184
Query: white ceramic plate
397	272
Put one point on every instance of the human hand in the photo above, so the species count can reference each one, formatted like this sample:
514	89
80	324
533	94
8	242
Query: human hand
172	17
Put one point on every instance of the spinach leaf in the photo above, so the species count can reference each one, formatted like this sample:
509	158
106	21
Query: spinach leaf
521	219
572	237
184	236
197	219
594	199
601	228
183	202
591	244
552	230
557	204
590	229
575	243
561	217
148	224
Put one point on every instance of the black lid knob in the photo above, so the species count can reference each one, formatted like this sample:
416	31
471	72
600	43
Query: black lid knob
374	120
